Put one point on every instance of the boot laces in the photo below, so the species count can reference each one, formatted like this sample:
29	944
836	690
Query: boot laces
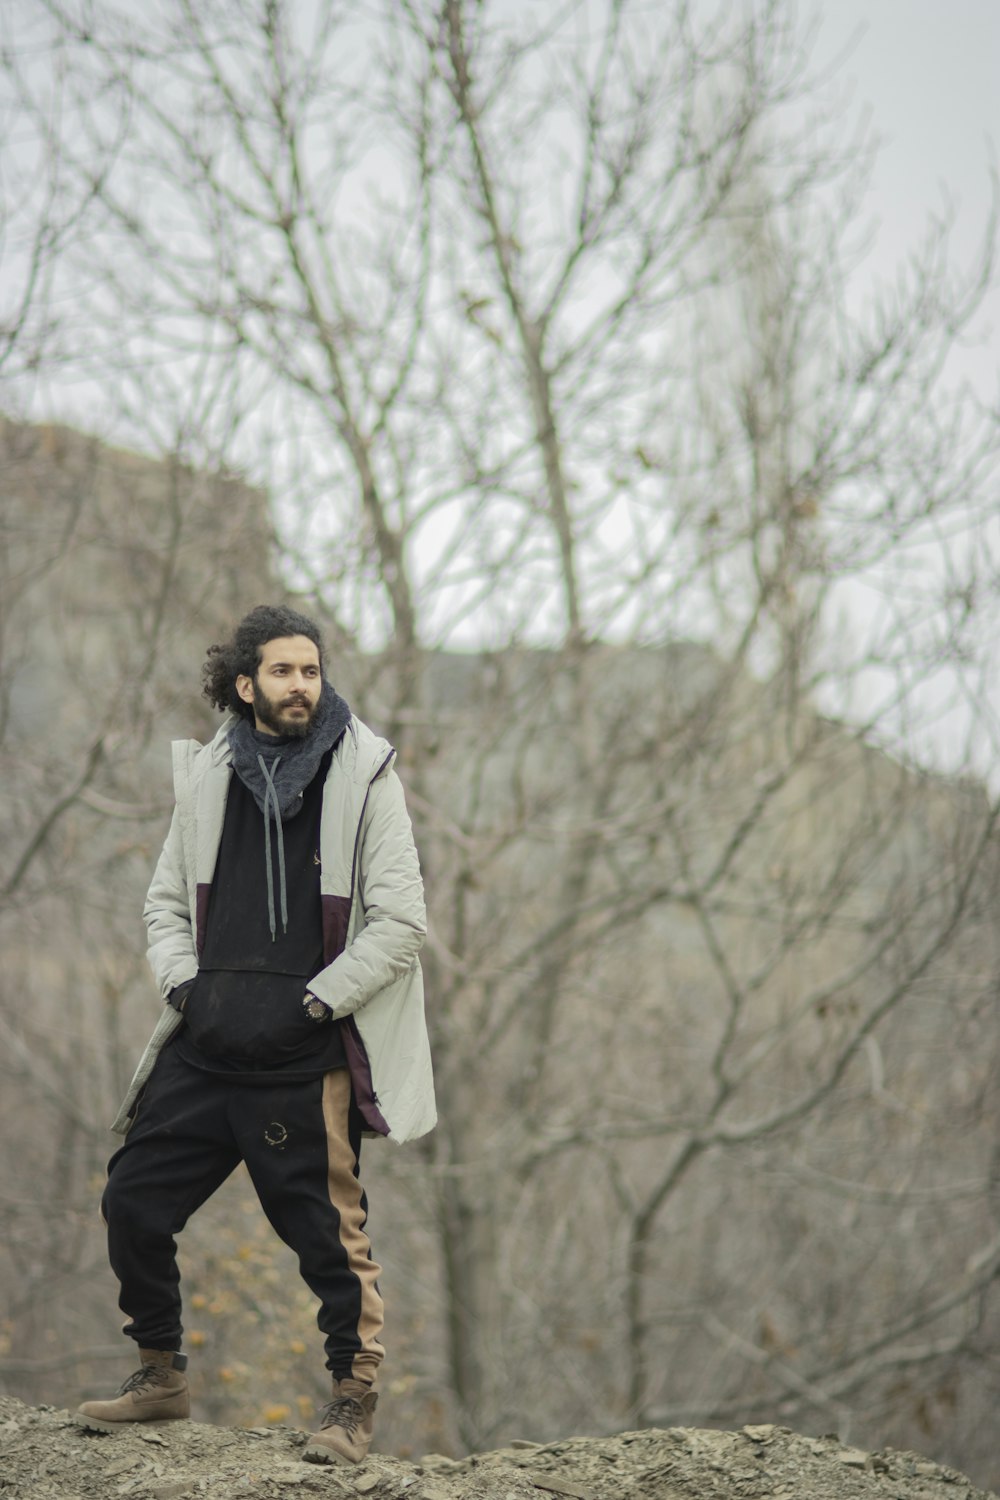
148	1375
343	1411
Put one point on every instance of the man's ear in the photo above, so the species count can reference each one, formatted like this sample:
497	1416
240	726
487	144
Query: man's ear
244	688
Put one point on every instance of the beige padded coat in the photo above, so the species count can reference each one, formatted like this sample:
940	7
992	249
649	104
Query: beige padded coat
374	920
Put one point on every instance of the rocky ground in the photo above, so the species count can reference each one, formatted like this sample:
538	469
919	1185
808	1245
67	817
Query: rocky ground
44	1455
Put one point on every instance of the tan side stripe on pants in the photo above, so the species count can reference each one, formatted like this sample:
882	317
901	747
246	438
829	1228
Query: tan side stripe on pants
345	1195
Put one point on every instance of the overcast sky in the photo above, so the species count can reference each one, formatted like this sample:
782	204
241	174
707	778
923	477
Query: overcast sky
930	70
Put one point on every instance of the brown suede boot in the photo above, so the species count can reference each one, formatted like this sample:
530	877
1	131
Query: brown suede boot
156	1393
346	1431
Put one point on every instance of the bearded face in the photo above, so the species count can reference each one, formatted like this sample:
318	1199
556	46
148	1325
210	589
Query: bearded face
285	689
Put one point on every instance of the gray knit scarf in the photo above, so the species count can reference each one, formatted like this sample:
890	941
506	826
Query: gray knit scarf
276	769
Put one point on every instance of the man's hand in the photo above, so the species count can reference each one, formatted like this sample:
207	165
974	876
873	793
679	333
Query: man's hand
178	996
315	1009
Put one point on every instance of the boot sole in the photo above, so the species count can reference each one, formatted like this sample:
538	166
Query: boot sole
102	1424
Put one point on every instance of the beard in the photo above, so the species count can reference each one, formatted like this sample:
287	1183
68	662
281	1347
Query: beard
275	715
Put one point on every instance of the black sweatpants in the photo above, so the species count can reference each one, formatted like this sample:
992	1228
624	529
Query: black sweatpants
301	1144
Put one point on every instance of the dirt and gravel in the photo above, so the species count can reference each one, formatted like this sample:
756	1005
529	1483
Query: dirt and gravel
45	1455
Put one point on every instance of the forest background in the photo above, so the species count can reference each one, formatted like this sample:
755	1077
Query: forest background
523	345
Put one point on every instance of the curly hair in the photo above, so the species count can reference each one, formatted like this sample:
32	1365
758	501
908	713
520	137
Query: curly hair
241	656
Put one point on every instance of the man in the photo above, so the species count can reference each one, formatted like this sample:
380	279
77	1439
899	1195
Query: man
285	917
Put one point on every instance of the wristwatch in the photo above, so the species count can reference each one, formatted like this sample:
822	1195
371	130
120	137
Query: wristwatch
314	1009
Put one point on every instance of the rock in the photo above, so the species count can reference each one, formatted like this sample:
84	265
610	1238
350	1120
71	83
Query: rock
46	1458
853	1457
438	1461
122	1465
559	1487
146	1436
365	1483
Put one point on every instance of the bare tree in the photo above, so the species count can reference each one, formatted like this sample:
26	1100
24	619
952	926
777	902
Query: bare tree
541	331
